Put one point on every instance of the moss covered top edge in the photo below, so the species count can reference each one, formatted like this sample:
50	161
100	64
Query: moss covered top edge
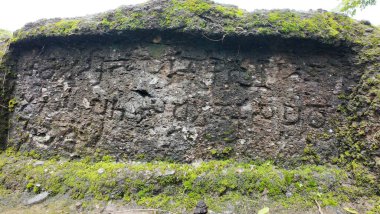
204	17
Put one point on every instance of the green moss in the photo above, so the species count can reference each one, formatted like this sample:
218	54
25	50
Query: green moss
65	27
33	154
170	18
106	158
4	34
194	6
230	11
176	186
120	21
376	207
288	22
362	175
224	153
326	25
30	186
140	156
190	15
12	104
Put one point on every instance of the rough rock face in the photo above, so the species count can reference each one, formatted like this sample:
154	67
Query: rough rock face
4	42
179	99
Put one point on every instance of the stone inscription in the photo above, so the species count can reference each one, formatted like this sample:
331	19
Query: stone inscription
125	100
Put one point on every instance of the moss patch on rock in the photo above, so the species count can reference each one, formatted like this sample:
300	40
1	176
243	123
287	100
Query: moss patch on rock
202	17
175	187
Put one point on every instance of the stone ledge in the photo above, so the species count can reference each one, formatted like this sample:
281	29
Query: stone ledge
205	18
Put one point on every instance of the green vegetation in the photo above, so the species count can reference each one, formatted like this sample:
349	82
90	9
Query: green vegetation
197	15
4	34
65	27
4	37
359	106
119	21
174	186
350	6
327	26
224	153
12	104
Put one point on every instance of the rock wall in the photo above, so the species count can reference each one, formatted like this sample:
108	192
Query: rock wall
5	90
168	96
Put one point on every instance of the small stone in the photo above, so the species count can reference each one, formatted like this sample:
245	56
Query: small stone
66	86
377	161
369	30
242	141
101	171
24	103
38	198
181	65
239	170
98	90
86	103
206	108
365	22
333	210
38	163
78	205
288	194
42	139
169	172
201	208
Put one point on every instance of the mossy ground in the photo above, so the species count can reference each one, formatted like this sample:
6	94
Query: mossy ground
178	187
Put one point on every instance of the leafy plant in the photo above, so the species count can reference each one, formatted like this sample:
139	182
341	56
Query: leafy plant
350	6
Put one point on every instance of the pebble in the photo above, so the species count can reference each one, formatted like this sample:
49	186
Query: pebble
38	198
38	163
101	171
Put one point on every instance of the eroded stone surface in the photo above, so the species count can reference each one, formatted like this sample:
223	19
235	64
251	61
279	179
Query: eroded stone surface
177	100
